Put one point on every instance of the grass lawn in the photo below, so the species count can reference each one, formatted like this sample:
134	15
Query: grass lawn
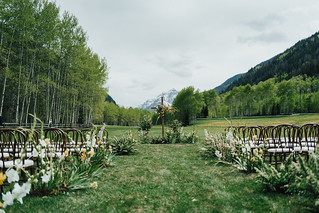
168	178
174	178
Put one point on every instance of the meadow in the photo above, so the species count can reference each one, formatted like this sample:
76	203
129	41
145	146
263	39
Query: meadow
175	178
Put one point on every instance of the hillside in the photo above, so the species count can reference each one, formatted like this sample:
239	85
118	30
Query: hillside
224	85
300	59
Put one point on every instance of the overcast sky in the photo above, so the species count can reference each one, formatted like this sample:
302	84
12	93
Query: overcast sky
152	46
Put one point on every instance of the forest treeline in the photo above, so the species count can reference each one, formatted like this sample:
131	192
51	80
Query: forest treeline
275	96
299	94
46	66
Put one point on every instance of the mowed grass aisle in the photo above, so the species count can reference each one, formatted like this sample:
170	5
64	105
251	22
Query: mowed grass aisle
168	178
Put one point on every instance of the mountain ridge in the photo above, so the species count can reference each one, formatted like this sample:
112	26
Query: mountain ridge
300	59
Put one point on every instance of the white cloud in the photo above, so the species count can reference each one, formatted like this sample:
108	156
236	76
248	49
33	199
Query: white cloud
153	46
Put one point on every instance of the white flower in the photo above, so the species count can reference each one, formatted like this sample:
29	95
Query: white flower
35	153
206	133
45	178
43	143
100	134
8	199
18	192
12	175
218	154
26	187
87	137
93	141
203	149
229	136
2	211
42	153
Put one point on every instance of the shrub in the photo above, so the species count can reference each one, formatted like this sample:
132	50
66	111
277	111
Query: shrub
146	123
300	176
124	145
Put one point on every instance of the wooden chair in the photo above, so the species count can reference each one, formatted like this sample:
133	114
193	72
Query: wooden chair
13	142
309	134
57	144
285	140
75	140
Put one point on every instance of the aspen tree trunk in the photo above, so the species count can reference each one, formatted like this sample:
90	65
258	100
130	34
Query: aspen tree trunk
5	75
19	85
36	97
73	111
47	105
30	88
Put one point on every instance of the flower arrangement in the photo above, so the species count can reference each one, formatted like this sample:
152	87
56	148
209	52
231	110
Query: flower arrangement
54	173
227	148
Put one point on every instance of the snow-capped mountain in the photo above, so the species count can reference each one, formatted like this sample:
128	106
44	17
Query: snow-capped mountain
168	100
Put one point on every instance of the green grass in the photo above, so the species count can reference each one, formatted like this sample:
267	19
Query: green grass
174	178
169	178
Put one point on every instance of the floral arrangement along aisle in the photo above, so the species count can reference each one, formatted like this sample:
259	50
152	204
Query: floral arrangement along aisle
54	173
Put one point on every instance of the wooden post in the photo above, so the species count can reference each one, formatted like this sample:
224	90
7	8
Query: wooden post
162	101
162	112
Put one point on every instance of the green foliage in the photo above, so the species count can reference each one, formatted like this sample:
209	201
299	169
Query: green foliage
124	145
231	150
116	115
146	123
300	176
273	179
53	72
301	59
188	103
169	178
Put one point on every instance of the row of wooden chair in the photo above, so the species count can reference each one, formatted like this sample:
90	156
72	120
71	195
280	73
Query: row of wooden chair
14	141
278	141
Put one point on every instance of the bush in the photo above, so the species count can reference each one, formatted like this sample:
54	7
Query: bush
124	145
173	135
300	176
146	123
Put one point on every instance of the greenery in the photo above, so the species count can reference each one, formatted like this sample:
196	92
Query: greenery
188	103
54	172
146	123
175	177
118	115
173	135
46	67
300	176
233	151
300	59
124	145
169	178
